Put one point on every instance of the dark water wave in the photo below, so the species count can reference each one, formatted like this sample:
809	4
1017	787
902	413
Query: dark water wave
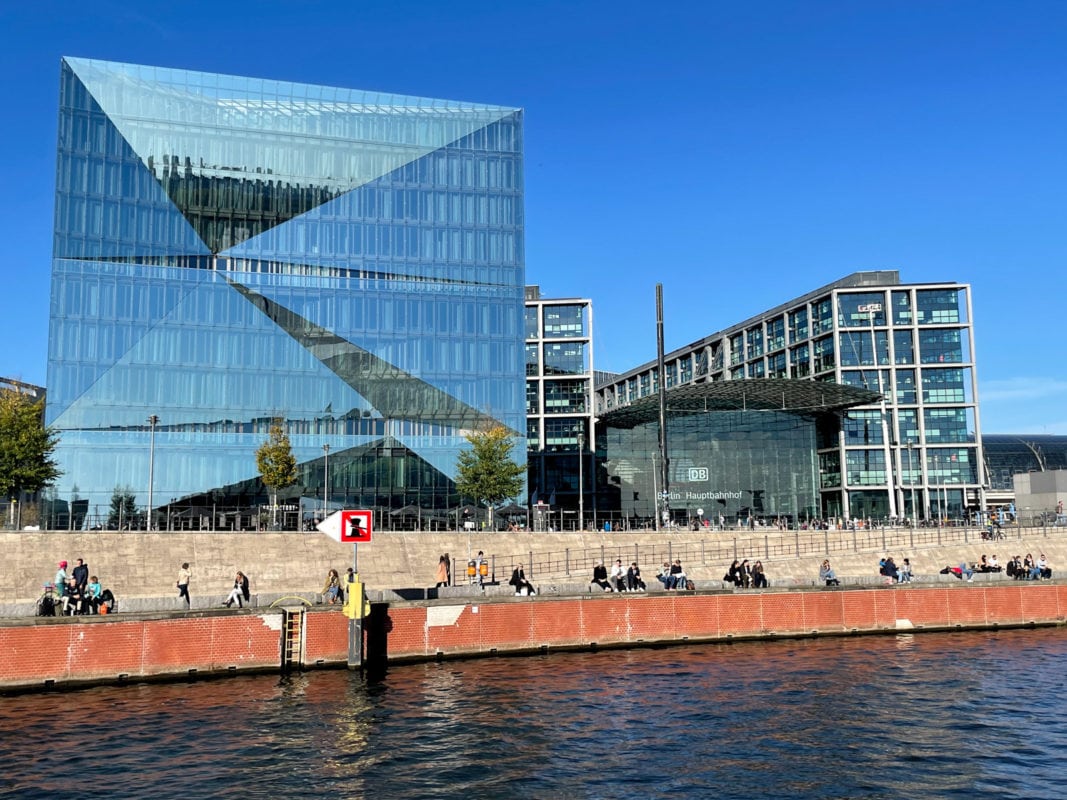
936	715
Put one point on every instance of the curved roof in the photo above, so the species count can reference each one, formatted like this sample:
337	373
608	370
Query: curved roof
757	394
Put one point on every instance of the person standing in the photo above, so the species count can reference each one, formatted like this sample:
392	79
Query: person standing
80	574
442	571
61	579
183	583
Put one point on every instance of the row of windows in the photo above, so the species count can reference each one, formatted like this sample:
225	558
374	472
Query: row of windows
940	425
936	347
555	321
560	396
564	358
933	306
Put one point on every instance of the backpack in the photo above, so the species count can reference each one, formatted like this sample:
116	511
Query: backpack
690	585
46	606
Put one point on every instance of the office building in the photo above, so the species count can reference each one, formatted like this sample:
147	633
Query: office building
232	251
560	427
857	400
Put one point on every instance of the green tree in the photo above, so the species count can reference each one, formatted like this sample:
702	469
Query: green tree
26	446
488	472
277	465
123	509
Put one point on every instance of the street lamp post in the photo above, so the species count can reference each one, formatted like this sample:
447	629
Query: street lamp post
911	481
581	475
152	422
325	480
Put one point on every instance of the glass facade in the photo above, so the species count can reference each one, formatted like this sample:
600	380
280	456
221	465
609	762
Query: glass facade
230	251
559	392
719	464
912	344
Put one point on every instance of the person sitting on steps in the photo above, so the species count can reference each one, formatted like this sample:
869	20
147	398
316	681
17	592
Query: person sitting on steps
600	577
518	580
826	573
239	592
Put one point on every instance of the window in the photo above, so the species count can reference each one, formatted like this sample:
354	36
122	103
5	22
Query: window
801	361
937	306
903	350
531	322
865	467
776	366
856	348
775	334
564	321
565	359
824	354
902	308
862	310
949	425
941	346
737	348
533	399
532	353
565	396
945	386
685	369
822	317
798	325
863	427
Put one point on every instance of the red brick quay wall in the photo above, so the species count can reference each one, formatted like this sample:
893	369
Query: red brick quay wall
41	653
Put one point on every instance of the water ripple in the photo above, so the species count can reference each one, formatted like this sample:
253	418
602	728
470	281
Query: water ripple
936	715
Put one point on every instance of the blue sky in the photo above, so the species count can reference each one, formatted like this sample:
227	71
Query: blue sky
739	153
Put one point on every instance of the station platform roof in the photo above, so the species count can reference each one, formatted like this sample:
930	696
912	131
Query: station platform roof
801	397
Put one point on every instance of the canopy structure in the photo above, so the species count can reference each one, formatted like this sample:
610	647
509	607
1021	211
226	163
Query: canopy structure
760	394
512	510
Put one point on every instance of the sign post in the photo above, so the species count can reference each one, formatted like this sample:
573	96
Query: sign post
355	527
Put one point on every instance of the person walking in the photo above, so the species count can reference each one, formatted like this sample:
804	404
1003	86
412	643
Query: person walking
183	583
442	571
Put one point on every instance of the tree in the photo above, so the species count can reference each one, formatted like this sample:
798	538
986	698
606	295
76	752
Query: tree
26	445
123	509
277	465
487	472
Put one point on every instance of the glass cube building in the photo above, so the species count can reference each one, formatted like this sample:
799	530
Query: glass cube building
231	251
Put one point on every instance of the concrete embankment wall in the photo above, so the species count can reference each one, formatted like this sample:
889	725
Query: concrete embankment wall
38	653
136	565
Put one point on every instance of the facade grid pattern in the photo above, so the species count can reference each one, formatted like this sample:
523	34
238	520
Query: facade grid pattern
917	453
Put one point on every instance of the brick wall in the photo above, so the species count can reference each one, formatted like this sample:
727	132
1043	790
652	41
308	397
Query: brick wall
425	631
100	649
105	648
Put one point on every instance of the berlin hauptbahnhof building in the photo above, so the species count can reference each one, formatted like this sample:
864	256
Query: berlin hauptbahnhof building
232	254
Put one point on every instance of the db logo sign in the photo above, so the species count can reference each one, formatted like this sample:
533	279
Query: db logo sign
698	474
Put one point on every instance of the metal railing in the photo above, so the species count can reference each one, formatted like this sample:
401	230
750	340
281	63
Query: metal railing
720	548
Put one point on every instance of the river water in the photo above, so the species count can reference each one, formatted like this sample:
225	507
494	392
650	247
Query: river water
934	715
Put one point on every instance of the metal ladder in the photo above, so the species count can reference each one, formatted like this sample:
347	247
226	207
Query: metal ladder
292	638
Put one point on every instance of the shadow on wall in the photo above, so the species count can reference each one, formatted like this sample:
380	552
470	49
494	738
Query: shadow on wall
377	627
